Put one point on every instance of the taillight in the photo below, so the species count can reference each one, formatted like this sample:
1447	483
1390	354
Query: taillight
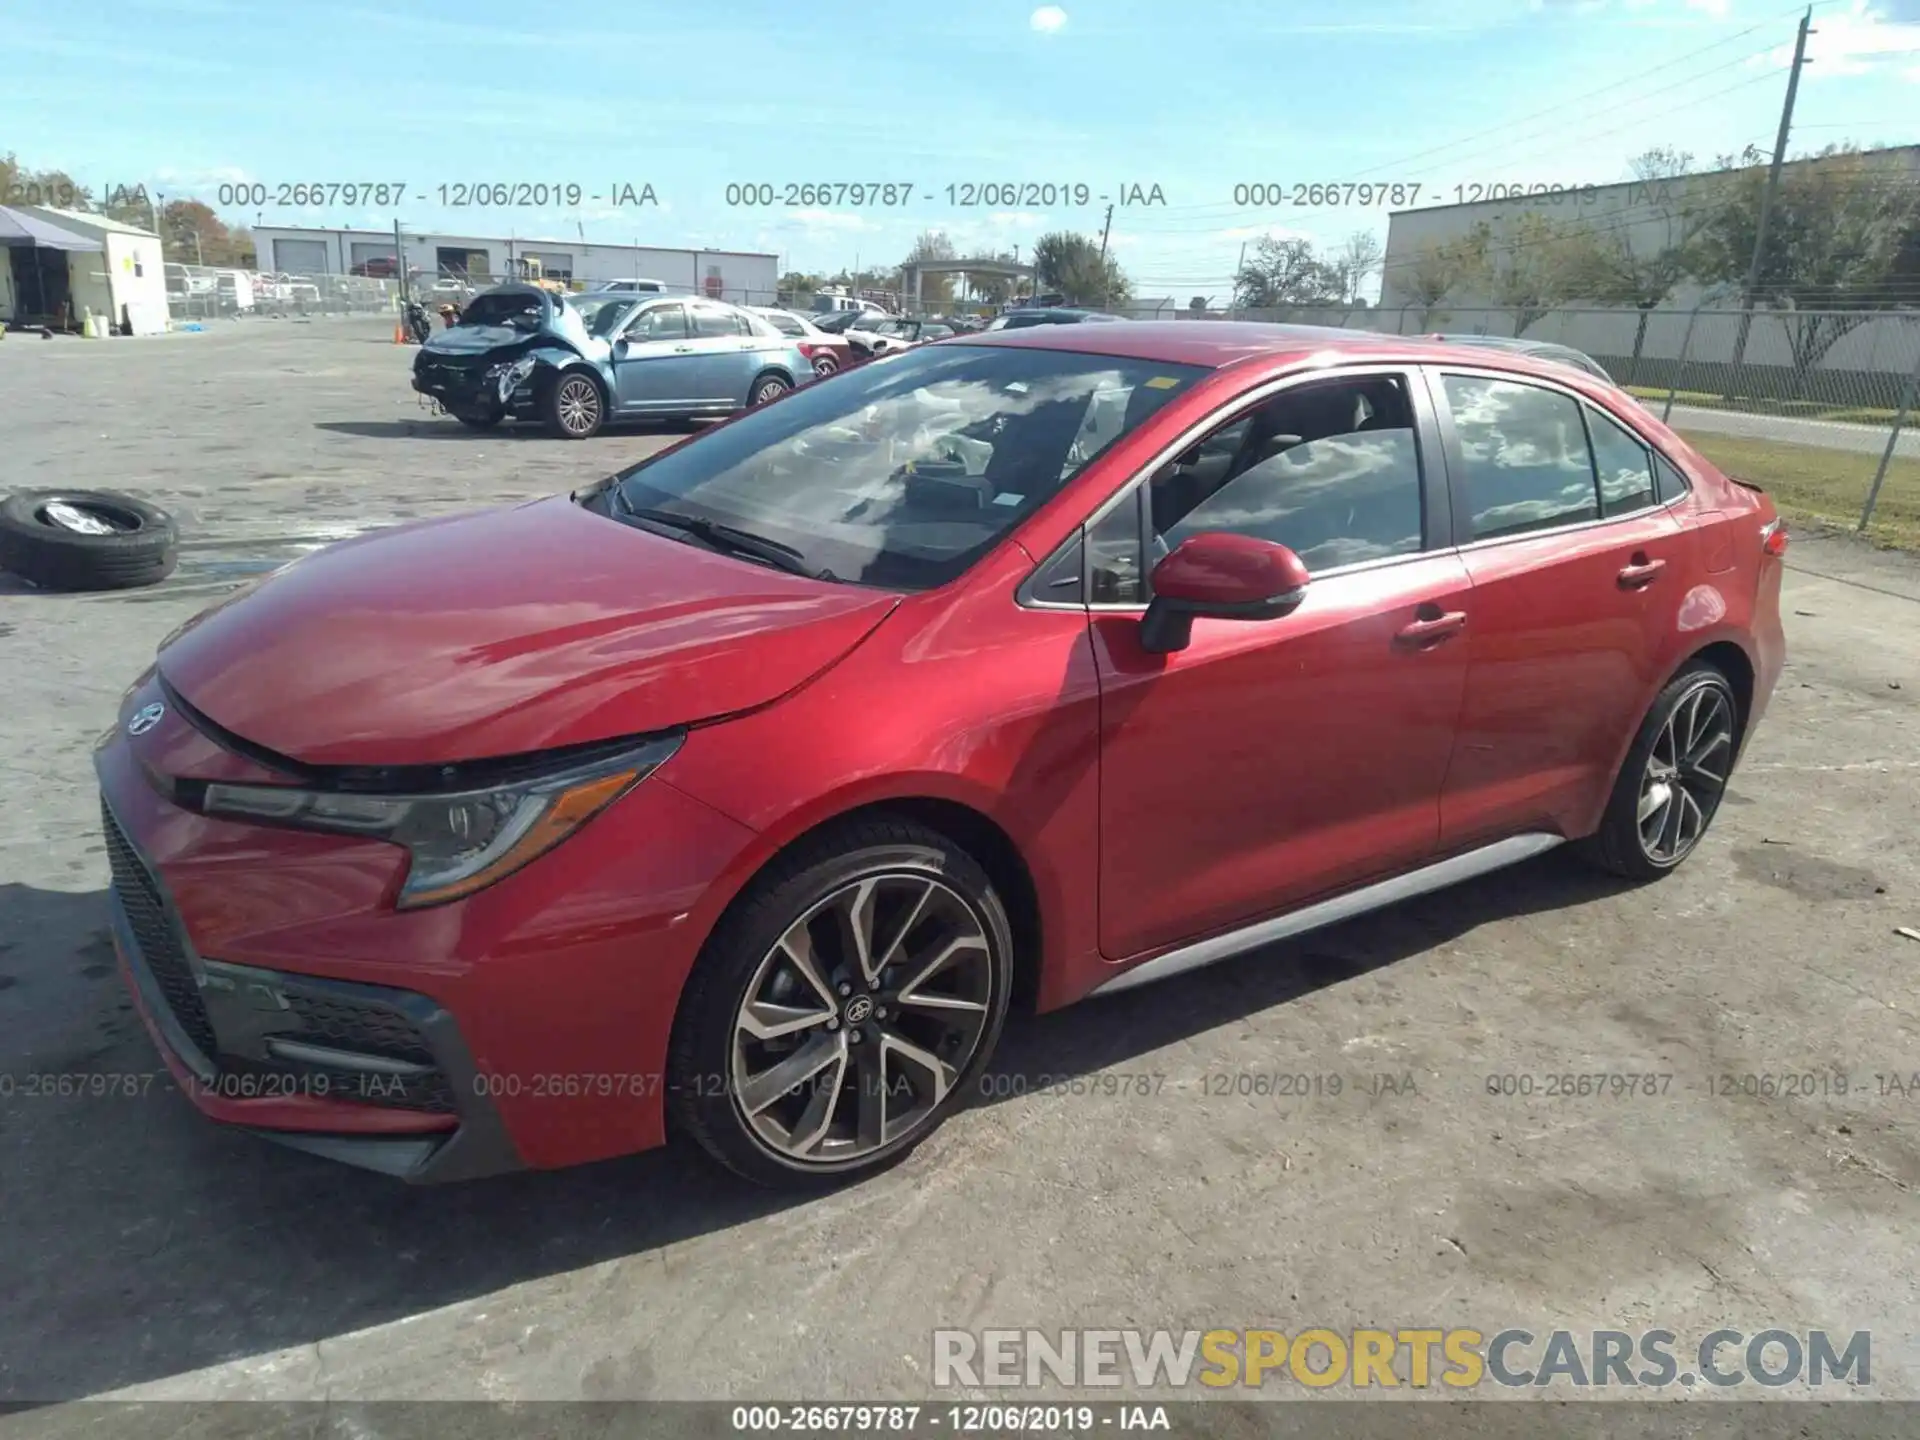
808	348
1773	538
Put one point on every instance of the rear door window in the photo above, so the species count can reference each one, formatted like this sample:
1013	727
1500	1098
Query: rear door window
1525	456
1626	471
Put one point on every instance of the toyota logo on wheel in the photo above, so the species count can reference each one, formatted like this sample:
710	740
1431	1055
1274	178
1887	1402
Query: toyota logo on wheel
145	719
858	1009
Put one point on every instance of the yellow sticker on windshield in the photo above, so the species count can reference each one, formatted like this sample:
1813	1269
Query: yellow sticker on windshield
1163	382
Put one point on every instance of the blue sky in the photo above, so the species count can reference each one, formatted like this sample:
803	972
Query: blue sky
1194	97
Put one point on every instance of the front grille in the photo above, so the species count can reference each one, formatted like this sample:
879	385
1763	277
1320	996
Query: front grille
153	930
331	1018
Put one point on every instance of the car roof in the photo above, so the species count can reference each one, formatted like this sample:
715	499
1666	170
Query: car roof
1219	343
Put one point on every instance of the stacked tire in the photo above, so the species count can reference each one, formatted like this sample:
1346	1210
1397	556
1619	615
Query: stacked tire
124	543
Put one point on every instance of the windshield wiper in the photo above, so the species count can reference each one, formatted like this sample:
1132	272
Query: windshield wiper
725	537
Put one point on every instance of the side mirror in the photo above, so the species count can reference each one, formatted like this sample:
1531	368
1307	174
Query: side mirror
1225	577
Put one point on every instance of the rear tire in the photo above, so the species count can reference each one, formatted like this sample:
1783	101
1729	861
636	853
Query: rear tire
784	958
143	549
767	389
1672	781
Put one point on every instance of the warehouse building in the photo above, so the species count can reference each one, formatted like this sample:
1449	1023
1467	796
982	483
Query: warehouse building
743	277
1646	215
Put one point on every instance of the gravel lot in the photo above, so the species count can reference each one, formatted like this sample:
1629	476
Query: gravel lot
149	1254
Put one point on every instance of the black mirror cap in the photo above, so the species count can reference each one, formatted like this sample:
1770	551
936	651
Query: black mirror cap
1168	624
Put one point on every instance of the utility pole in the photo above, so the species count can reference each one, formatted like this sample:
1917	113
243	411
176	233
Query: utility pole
1238	266
1768	195
400	262
1105	230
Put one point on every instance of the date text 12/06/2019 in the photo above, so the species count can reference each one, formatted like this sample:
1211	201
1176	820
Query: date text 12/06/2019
963	195
1406	195
456	195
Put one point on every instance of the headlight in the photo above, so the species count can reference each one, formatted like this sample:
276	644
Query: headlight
462	841
509	373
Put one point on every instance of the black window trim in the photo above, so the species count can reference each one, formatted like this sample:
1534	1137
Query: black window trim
1430	454
1450	438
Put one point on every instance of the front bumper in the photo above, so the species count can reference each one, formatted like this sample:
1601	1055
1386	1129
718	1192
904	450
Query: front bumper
526	1024
368	1074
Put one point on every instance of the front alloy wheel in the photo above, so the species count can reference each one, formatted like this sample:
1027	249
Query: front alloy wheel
844	1007
574	407
861	1018
772	387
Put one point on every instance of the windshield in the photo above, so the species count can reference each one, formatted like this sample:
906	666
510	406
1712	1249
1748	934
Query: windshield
905	471
503	307
601	314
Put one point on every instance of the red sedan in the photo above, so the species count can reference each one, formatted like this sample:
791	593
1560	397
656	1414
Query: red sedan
739	795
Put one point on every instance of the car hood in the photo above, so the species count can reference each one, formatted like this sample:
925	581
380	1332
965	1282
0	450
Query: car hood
479	339
505	632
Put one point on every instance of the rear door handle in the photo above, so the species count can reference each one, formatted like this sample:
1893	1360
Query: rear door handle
1432	629
683	349
1641	572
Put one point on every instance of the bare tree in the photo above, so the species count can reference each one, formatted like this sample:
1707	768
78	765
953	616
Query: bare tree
1537	265
1356	262
1438	269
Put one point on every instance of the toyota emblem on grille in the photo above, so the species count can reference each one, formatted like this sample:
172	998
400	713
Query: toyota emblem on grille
145	719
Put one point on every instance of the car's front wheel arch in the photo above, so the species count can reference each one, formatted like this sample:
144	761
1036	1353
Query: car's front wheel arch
889	842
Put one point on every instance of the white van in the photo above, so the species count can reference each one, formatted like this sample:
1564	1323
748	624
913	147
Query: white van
630	287
235	289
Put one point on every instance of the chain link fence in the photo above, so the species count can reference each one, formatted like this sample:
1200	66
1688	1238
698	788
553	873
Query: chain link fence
1817	406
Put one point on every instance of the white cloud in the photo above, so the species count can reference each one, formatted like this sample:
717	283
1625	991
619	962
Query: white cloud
1856	42
1048	19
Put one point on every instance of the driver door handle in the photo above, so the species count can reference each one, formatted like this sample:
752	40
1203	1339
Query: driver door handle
1641	572
1433	626
683	349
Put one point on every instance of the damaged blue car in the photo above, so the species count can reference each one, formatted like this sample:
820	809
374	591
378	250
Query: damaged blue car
574	363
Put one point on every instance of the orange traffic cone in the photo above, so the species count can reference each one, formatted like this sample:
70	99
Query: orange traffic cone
399	334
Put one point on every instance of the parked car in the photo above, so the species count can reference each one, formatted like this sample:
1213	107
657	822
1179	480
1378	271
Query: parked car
838	322
629	287
873	336
574	362
1538	349
829	304
740	793
191	283
1026	318
827	352
448	287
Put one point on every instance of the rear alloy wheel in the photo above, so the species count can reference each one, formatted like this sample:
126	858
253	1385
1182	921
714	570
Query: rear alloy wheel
1673	780
844	1010
575	409
825	365
768	388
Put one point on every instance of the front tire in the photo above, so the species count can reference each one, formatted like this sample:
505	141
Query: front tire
1675	774
843	1008
574	407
